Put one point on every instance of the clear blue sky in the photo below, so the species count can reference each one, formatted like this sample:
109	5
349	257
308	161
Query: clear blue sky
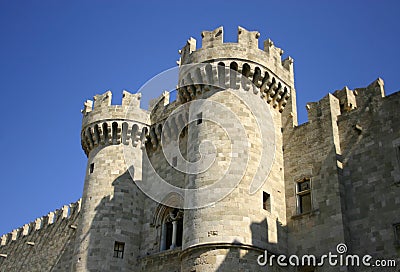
55	54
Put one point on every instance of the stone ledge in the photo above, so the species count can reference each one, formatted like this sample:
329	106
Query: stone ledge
163	253
306	214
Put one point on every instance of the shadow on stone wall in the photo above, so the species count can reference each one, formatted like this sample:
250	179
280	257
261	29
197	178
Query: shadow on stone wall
117	219
242	257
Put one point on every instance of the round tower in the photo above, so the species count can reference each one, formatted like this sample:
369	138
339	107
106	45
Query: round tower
109	227
243	92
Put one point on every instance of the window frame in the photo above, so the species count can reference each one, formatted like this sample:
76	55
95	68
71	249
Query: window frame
119	248
301	193
166	232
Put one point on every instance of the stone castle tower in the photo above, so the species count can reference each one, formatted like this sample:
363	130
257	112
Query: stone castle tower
214	179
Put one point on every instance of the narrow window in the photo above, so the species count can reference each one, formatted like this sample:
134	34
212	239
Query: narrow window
304	196
174	161
119	249
397	232
179	232
266	201
199	118
91	168
168	236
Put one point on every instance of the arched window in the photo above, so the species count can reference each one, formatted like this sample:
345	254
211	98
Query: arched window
172	229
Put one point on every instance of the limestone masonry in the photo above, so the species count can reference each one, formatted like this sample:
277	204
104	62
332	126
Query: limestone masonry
210	181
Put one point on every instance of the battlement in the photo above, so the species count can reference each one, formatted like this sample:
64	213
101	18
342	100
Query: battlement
105	124
102	109
67	212
349	100
163	99
246	48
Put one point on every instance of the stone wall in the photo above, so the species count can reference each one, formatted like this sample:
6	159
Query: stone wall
349	149
46	244
370	140
112	203
220	257
162	261
310	151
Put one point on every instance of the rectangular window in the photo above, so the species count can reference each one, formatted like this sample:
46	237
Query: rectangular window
304	196
119	249
91	168
266	201
199	118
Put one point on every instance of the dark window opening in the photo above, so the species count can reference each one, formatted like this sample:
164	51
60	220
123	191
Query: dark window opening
91	168
173	223
168	237
266	201
304	185
304	196
169	233
114	131
199	118
179	233
119	250
305	203
233	74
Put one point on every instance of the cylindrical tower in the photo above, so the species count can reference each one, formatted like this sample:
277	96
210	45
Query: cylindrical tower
109	227
244	91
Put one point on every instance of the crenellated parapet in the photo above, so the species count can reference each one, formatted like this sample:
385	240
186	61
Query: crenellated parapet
363	98
214	49
66	212
347	99
100	109
105	124
235	65
161	107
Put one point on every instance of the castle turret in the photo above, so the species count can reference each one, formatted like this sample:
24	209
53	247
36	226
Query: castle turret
240	97
109	227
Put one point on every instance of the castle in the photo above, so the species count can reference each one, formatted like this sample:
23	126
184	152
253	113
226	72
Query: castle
223	174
